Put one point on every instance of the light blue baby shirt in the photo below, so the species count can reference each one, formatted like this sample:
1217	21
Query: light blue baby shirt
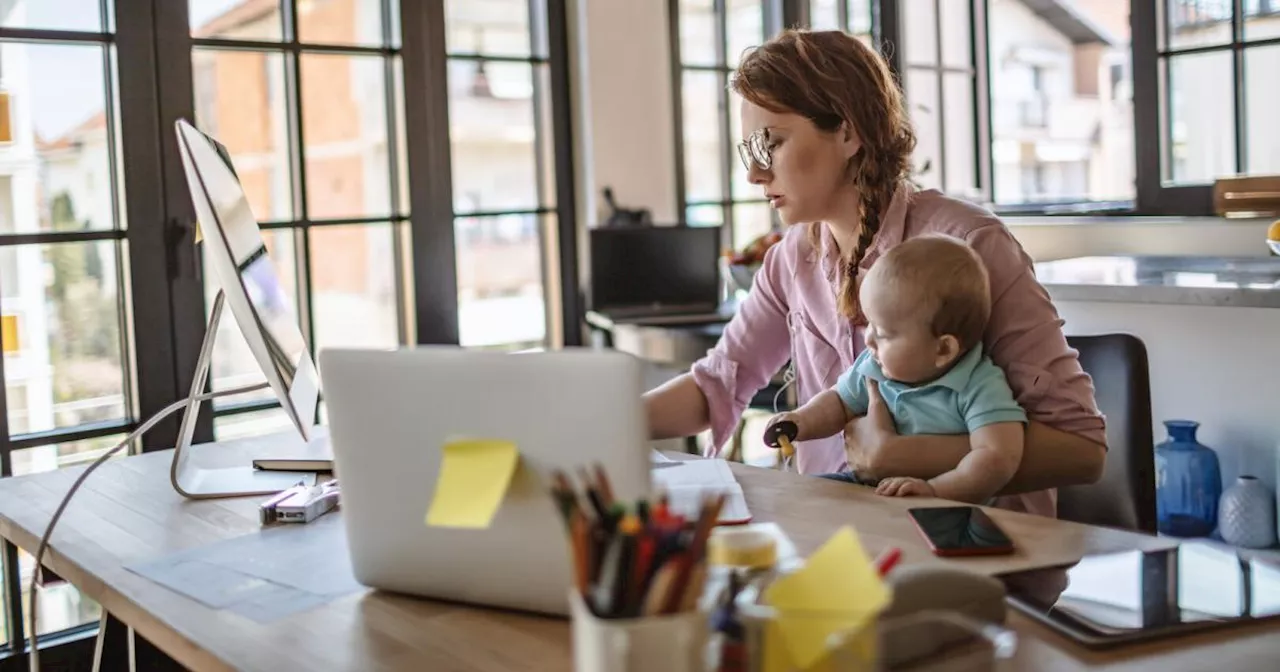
974	393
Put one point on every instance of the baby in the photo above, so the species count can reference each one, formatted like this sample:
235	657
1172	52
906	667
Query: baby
927	302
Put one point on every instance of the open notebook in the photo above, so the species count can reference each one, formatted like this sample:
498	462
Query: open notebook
687	481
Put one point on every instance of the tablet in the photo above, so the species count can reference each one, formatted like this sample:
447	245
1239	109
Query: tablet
1117	598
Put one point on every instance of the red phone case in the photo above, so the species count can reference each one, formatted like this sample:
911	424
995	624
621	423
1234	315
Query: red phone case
963	552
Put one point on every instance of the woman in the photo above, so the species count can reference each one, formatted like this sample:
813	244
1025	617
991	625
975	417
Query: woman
828	140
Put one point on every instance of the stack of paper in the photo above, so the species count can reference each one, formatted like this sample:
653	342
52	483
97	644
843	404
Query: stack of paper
688	482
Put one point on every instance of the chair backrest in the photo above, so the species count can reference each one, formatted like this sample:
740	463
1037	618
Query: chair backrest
1125	497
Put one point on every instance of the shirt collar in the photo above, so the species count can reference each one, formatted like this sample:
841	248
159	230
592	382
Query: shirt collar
956	378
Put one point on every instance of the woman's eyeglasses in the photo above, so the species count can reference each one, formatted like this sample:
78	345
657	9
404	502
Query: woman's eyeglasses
756	149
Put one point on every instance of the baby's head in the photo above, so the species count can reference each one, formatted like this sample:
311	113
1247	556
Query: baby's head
927	301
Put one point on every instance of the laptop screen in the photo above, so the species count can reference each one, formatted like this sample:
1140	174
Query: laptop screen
655	266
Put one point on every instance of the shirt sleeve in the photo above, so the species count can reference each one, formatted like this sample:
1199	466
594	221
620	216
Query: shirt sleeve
1025	339
988	399
755	345
852	388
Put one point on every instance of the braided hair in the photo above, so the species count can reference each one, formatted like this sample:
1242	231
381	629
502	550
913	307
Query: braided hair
835	80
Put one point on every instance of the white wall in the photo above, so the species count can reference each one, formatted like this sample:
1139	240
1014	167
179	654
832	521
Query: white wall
1212	365
626	126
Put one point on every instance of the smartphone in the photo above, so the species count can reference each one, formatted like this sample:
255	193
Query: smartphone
960	530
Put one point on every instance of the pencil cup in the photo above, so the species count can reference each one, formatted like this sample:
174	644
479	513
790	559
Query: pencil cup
671	643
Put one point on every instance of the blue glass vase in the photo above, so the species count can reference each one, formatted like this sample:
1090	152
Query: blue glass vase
1188	483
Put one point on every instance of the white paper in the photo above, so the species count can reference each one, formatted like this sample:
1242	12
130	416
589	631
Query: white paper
687	484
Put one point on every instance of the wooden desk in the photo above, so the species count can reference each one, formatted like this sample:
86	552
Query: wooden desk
128	512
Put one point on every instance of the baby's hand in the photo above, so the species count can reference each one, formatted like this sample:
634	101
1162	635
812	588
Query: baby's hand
782	424
902	486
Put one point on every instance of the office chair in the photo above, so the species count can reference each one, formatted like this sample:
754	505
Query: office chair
1125	497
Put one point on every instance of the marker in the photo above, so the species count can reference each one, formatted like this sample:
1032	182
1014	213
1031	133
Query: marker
886	561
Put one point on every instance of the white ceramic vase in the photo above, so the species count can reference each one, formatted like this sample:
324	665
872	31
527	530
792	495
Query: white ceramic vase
1247	514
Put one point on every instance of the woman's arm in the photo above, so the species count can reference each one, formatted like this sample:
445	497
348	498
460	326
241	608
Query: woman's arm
753	348
676	409
1051	458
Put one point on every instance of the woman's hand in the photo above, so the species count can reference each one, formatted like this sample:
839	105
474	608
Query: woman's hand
867	438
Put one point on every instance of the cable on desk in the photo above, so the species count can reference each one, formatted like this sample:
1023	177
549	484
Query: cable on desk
34	656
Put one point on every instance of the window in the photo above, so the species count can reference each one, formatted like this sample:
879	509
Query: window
714	191
940	87
1061	104
310	117
503	170
67	365
851	16
1217	63
102	305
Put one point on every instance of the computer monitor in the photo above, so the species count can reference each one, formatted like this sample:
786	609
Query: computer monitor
261	305
655	268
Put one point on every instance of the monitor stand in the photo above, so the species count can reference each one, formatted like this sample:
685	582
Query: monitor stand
196	482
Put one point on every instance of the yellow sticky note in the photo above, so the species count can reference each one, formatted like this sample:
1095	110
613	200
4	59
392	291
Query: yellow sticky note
199	233
473	480
837	593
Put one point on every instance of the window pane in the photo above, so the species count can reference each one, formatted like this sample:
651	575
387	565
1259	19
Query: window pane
1062	111
922	99
1202	120
500	293
61	605
704	215
344	126
1263	136
340	22
59	174
236	19
68	364
69	454
921	32
745	26
1261	19
860	17
750	221
353	286
256	423
1196	23
493	27
491	126
956	42
53	15
704	152
233	364
240	100
825	14
959	154
697	32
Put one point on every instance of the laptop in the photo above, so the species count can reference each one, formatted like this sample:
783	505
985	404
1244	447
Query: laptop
656	274
390	413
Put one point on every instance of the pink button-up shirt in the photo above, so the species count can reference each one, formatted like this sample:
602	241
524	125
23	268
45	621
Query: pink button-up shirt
791	314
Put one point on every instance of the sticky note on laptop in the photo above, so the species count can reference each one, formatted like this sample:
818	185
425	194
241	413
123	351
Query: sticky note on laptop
474	478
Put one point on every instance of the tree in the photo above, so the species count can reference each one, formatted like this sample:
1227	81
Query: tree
85	339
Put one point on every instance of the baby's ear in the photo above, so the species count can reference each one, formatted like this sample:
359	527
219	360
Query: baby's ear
948	350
